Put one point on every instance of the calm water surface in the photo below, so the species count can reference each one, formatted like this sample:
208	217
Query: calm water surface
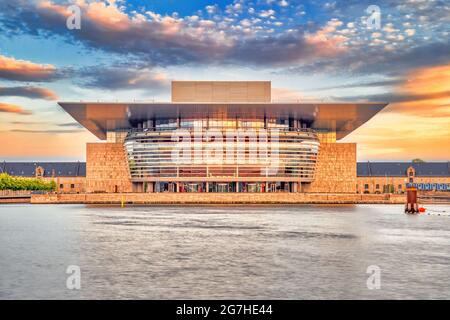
248	252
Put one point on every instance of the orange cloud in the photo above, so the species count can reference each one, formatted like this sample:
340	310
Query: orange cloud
431	86
428	80
109	16
326	40
395	136
416	128
29	92
22	70
168	39
44	145
12	108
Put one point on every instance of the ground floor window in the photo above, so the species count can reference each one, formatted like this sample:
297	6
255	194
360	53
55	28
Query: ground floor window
192	187
220	187
165	187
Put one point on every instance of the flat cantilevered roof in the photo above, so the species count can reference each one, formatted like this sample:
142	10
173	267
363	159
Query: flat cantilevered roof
99	117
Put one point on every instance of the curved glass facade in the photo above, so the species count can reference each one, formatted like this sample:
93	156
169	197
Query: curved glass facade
245	151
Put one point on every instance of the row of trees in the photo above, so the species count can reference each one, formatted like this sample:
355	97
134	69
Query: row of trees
8	182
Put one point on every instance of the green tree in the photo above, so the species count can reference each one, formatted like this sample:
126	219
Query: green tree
16	183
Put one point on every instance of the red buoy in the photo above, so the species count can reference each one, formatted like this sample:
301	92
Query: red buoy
411	205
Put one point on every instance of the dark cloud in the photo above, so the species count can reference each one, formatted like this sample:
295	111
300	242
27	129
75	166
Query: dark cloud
47	131
162	40
388	63
280	50
381	83
28	92
393	97
436	10
70	124
122	76
396	62
65	125
25	122
423	104
167	42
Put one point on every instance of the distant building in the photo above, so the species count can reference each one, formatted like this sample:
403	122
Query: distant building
394	177
372	177
138	155
70	177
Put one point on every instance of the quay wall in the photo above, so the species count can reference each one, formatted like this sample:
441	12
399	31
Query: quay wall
15	200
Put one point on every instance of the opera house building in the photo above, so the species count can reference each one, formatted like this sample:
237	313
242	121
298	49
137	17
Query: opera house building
217	136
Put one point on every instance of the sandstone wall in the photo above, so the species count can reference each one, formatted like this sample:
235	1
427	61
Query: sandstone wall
107	168
69	184
336	169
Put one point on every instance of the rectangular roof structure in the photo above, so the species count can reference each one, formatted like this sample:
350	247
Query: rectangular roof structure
99	117
398	169
221	91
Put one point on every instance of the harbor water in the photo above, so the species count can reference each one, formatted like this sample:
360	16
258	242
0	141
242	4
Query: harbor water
224	252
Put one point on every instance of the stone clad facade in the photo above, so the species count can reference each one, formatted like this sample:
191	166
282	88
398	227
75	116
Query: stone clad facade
106	169
336	169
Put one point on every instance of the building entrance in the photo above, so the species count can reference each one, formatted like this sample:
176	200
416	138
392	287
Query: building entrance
222	187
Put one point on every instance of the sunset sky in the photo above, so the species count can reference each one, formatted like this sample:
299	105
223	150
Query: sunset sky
310	50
